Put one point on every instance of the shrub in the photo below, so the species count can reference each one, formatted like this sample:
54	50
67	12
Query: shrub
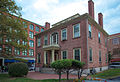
17	69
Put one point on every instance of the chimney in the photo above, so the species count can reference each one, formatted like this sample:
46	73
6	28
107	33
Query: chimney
100	19
91	8
47	25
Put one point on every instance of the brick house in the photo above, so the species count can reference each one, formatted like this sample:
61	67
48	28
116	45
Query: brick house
78	37
114	47
31	28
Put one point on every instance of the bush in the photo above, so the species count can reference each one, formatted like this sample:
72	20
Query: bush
18	69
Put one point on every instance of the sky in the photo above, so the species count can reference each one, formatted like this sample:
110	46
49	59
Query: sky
53	11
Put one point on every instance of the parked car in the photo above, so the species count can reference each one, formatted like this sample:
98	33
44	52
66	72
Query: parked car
114	65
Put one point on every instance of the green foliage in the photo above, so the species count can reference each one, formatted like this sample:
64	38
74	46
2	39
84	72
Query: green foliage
17	69
11	27
77	64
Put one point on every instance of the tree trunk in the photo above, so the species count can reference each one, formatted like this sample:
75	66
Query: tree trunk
67	74
79	74
59	76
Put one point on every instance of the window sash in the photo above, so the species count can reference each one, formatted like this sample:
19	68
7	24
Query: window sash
31	27
37	29
31	43
76	30
31	52
64	34
31	34
64	54
77	54
38	41
99	56
90	54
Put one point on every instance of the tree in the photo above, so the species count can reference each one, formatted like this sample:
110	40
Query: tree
11	27
77	65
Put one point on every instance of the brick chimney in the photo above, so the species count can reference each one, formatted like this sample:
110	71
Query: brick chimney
47	25
100	19
91	8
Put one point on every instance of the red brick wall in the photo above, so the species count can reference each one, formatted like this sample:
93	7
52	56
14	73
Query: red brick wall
96	46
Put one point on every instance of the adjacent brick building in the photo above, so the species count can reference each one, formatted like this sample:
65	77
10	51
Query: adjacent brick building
31	28
78	37
114	47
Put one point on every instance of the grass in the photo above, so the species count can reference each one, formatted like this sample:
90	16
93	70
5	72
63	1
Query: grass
7	78
108	74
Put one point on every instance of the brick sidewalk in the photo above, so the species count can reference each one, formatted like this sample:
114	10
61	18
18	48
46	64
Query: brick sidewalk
41	76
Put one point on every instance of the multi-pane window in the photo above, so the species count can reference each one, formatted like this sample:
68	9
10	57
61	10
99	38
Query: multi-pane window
64	34
38	58
115	41
77	54
38	41
24	52
31	43
76	30
105	42
45	40
37	29
54	38
99	56
18	42
0	50
24	43
42	29
31	34
31	52
31	27
0	39
17	51
25	25
90	31
64	54
116	51
90	54
99	37
8	50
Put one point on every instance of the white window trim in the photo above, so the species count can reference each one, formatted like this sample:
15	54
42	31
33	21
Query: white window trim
74	54
61	34
62	54
73	30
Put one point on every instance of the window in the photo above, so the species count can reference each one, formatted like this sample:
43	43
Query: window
76	30
24	43
37	29
8	50
31	43
90	54
38	41
25	25
64	54
0	39
105	42
24	52
42	29
46	58
106	57
18	42
38	58
99	37
45	40
99	56
115	41
54	38
116	51
77	54
31	27
90	31
17	51
64	34
31	34
31	52
8	40
0	50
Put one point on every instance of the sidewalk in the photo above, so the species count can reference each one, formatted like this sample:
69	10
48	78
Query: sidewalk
41	76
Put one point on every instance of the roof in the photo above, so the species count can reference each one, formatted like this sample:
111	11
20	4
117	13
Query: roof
114	36
73	19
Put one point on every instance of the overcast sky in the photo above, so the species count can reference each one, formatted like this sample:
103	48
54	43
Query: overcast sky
53	11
